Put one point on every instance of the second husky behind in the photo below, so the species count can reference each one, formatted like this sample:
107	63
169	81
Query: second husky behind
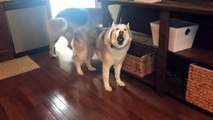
68	20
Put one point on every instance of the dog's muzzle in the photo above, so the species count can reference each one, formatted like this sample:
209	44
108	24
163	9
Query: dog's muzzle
120	38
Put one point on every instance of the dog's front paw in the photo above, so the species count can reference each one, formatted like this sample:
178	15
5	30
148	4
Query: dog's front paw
92	69
53	55
80	72
121	83
108	88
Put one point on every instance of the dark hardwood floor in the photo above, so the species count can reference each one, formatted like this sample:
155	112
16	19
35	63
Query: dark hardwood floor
56	92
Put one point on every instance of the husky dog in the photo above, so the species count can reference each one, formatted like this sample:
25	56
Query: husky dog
111	48
110	45
69	20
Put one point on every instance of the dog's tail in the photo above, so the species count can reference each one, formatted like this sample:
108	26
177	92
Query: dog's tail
59	24
55	28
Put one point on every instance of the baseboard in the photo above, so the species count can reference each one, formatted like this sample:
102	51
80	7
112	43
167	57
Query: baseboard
33	51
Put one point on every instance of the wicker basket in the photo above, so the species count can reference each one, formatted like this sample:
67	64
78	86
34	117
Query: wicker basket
200	87
140	60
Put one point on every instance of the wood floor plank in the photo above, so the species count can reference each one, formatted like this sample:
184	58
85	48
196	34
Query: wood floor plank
45	108
10	109
48	89
3	115
18	107
44	113
169	107
26	108
117	102
86	95
91	108
55	111
60	104
55	100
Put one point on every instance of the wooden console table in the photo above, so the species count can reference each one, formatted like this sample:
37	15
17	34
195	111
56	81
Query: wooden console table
165	9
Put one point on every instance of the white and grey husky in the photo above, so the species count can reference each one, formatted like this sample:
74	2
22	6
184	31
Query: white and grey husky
110	45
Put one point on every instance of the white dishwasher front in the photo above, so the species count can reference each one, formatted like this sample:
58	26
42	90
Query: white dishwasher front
27	24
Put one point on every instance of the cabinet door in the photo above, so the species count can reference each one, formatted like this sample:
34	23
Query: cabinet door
3	33
6	45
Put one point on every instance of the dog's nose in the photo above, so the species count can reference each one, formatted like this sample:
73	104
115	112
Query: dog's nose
121	32
120	40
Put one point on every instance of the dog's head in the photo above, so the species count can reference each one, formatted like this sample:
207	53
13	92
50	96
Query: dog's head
119	35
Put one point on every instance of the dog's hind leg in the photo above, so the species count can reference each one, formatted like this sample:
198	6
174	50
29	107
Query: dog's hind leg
78	63
68	36
52	47
79	57
117	69
78	67
88	61
56	27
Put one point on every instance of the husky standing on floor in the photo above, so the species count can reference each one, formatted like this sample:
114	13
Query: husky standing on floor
68	20
110	45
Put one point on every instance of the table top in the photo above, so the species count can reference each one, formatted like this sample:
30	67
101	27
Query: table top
205	8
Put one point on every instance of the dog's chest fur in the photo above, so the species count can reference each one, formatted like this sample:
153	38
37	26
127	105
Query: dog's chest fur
116	56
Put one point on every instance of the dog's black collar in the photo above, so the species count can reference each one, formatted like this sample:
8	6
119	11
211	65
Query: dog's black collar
112	46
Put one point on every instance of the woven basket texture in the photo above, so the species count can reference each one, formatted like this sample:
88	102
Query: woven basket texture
140	66
140	60
200	87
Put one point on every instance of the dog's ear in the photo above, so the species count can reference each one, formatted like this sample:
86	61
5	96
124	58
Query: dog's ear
113	24
109	35
128	25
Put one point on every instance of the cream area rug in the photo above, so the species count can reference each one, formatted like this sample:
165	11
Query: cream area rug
17	66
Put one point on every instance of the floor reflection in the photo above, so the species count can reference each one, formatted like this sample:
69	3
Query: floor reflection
60	103
64	54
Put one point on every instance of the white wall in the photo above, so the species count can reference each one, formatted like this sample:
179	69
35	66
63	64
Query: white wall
58	5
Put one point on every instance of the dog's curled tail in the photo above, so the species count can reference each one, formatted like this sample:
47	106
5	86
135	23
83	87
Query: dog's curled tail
57	25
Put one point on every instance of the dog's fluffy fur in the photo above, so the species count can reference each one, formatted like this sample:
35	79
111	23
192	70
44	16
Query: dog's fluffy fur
110	45
79	26
68	20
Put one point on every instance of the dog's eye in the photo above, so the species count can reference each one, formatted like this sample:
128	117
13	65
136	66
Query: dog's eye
125	29
116	28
